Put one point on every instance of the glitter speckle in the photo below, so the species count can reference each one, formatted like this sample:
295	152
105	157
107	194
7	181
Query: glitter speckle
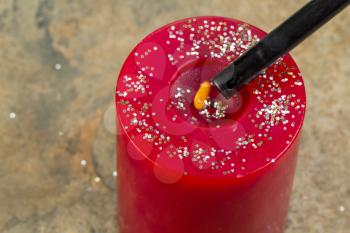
213	109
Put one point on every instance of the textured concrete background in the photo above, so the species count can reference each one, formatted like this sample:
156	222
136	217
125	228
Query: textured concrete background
58	68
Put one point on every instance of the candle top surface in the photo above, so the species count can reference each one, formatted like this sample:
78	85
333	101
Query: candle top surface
156	87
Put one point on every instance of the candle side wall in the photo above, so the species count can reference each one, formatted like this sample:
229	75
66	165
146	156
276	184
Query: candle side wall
256	203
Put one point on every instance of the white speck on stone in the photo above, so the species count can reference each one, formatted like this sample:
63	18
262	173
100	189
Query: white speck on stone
341	208
58	66
12	115
83	162
60	133
115	173
97	179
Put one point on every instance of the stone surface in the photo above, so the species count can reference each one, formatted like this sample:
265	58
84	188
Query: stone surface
58	68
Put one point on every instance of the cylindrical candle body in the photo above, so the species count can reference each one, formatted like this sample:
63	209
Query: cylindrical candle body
258	204
178	172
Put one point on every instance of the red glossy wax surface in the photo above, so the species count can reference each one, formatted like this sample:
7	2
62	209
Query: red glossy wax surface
179	172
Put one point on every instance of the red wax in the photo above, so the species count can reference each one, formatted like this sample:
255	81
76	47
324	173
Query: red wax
179	172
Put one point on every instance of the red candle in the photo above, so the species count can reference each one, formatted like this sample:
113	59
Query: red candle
228	169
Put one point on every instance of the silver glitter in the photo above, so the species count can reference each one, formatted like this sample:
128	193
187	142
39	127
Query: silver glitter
213	109
133	121
276	111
